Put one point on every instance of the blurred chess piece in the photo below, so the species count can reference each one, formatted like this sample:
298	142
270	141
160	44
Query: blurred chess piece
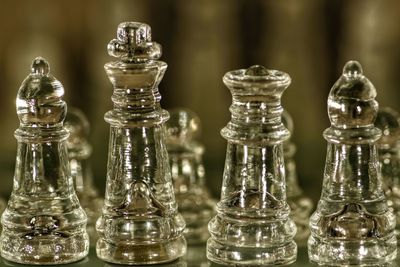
388	120
79	151
253	224
185	155
43	222
352	224
3	205
300	205
140	222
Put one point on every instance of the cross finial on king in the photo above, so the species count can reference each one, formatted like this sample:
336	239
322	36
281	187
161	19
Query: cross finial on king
133	43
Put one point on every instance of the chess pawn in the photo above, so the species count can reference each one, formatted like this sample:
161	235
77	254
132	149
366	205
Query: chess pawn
252	225
352	224
185	156
79	151
388	120
43	222
300	205
140	223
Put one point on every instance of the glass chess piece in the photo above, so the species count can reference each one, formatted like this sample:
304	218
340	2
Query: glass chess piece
185	156
252	225
352	224
79	151
388	120
43	222
300	205
140	223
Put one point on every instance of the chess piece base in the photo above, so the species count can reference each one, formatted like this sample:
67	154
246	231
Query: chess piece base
44	249
125	253
254	256
356	252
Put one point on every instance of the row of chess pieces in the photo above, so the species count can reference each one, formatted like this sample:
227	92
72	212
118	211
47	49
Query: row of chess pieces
156	200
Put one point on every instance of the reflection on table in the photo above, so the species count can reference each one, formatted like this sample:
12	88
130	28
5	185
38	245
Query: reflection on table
195	257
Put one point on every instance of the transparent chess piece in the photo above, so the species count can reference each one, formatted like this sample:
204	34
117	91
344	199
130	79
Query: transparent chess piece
185	156
252	225
388	120
140	223
352	224
43	222
79	151
300	205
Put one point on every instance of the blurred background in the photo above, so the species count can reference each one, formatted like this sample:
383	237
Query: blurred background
202	39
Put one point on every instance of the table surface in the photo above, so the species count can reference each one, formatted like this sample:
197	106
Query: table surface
196	257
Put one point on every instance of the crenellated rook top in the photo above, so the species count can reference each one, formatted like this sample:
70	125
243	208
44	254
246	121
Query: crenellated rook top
256	105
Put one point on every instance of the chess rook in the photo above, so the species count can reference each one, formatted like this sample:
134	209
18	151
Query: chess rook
353	224
252	225
140	223
43	222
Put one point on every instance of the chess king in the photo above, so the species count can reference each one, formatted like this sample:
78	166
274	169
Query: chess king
140	223
353	224
43	222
